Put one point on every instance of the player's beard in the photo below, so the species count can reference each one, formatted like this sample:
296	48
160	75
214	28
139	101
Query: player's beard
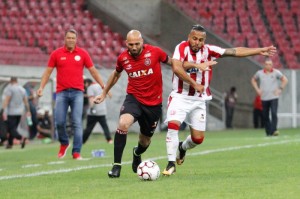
195	49
135	53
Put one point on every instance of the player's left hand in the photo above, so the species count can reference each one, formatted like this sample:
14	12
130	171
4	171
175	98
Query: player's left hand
268	51
200	88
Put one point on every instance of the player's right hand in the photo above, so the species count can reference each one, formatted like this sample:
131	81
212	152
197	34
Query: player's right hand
100	98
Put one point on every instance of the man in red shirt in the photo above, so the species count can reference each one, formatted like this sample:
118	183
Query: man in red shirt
143	102
69	62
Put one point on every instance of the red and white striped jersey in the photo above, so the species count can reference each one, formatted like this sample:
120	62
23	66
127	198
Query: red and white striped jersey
184	53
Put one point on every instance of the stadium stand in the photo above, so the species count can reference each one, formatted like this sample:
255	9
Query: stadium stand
252	23
31	30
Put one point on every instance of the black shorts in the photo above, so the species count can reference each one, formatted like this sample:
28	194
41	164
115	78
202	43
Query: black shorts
147	116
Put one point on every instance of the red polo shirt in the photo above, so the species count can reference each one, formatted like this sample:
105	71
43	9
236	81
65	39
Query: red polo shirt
69	67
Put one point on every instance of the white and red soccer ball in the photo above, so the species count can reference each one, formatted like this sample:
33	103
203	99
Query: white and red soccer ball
148	170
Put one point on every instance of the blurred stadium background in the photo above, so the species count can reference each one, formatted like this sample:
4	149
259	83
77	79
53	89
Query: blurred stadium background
31	30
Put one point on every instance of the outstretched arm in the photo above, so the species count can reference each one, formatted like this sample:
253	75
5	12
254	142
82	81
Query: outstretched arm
245	52
112	80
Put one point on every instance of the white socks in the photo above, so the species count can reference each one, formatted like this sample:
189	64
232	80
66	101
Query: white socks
172	142
188	143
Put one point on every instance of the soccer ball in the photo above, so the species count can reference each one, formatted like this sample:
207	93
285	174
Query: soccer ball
148	170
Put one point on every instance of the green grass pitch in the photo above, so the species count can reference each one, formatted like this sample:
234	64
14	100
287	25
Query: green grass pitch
233	164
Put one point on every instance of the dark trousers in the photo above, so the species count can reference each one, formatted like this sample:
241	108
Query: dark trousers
258	119
91	122
229	116
12	125
270	106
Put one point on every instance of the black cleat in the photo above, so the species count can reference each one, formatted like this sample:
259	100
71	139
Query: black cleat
23	143
170	169
180	154
136	160
115	171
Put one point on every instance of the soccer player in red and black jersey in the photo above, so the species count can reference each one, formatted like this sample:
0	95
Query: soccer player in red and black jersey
186	104
143	102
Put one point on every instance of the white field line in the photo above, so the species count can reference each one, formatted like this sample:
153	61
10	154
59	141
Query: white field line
155	158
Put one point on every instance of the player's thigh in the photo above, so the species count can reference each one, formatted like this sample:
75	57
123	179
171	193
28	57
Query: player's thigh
129	113
149	119
197	117
177	109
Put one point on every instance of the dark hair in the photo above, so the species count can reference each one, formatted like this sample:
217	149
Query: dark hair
88	80
72	31
198	27
232	89
13	79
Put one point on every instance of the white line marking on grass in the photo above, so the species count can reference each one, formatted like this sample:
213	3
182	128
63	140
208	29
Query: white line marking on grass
56	162
31	165
155	158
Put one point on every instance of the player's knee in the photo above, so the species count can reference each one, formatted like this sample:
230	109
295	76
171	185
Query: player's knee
173	125
197	140
124	126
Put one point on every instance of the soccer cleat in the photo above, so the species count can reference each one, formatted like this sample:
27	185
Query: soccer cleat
180	154
63	150
170	169
136	160
115	171
77	156
23	143
276	133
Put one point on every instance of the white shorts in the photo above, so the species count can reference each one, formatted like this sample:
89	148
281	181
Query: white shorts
191	111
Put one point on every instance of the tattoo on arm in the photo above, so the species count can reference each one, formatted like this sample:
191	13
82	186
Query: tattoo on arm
230	52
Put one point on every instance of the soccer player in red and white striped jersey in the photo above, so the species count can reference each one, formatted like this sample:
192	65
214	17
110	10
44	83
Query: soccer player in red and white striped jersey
185	103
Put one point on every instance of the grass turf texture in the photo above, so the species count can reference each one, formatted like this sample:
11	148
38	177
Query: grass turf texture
229	164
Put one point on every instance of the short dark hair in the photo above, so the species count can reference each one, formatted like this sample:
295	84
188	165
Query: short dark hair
13	79
88	80
198	27
72	31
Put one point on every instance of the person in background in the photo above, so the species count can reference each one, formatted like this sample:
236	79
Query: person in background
269	84
95	113
44	125
258	119
230	99
32	100
69	61
13	108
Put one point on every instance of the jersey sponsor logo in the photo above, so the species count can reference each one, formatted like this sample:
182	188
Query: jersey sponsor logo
77	58
141	73
192	70
147	61
147	55
63	58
